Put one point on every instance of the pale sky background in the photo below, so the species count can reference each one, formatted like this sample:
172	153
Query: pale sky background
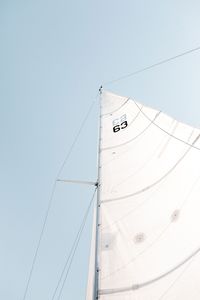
53	57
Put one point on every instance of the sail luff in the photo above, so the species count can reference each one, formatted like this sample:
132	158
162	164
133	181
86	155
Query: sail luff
98	208
93	274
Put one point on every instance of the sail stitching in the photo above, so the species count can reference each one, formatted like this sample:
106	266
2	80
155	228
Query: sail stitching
177	278
175	137
151	281
168	140
154	183
137	115
175	281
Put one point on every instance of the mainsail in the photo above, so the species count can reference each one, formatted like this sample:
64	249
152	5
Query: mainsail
149	216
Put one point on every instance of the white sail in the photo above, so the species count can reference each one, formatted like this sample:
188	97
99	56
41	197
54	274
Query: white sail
149	235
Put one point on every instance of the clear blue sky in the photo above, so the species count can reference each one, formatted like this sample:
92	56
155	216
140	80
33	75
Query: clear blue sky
53	57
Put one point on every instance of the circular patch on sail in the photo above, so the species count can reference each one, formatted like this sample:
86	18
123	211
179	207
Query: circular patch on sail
139	238
175	215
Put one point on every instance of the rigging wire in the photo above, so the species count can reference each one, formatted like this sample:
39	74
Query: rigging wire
164	61
52	195
72	253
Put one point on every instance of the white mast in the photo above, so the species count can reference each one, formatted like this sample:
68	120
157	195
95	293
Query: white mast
98	222
93	276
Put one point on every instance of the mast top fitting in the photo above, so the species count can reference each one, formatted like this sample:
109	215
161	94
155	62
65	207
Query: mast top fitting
100	89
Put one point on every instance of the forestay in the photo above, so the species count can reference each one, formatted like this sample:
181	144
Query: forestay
149	233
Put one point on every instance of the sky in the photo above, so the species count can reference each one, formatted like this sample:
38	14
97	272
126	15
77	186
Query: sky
54	55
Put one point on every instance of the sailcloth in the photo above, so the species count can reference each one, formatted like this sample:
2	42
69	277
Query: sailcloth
149	232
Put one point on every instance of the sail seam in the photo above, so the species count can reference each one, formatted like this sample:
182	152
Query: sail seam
175	281
156	182
151	281
135	118
175	137
168	140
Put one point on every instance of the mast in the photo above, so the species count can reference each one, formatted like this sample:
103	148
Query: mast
98	206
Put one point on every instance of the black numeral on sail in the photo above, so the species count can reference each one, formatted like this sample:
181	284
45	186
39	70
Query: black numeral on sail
120	123
123	125
116	128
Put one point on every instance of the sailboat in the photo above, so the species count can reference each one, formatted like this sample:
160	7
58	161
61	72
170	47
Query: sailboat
146	228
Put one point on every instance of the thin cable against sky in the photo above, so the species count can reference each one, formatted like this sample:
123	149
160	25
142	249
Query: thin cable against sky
152	66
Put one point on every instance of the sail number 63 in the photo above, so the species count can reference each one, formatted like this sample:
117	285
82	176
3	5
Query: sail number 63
120	123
